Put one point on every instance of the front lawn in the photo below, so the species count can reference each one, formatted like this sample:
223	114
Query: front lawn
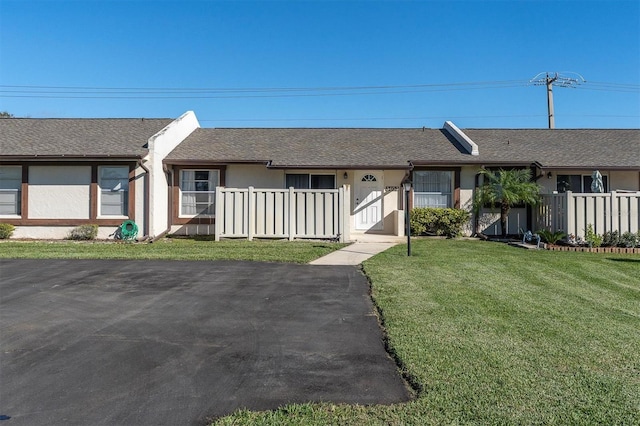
491	334
172	248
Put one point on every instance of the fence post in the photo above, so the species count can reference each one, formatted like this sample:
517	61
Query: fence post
292	214
614	208
251	214
218	220
345	232
571	214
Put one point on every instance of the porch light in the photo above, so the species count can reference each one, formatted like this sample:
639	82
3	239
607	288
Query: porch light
549	175
407	189
345	176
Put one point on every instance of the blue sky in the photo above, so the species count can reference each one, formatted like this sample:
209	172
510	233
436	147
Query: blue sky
356	64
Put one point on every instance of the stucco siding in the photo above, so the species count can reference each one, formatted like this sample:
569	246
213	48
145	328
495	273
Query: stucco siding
160	145
623	180
59	192
258	176
56	232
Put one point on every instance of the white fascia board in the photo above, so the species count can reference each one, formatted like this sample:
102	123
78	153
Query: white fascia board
461	137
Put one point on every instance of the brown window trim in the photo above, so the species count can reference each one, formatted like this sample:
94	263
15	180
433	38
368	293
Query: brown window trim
456	182
175	194
24	219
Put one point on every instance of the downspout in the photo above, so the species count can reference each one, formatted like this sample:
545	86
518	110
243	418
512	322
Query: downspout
169	172
147	187
476	210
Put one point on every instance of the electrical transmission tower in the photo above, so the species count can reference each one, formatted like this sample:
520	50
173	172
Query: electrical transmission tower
555	79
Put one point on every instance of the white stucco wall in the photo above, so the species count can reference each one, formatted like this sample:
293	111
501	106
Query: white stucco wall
160	145
59	192
140	216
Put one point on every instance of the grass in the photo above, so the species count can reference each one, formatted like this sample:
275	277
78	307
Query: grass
172	248
491	334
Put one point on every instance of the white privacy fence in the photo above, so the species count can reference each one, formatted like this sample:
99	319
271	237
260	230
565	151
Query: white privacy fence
572	212
282	213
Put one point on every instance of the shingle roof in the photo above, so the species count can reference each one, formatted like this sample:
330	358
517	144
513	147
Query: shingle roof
315	148
344	148
85	137
560	148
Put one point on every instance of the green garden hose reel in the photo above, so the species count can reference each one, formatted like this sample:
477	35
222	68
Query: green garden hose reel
128	230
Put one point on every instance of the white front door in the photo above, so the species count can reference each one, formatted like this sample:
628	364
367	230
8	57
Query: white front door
368	200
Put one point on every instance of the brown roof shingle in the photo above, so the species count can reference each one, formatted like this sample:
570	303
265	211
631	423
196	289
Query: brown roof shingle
560	148
316	148
84	137
395	148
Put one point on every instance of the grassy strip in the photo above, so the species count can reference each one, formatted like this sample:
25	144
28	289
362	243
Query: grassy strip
493	334
173	248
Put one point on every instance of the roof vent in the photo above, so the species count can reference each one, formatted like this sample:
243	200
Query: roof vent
463	139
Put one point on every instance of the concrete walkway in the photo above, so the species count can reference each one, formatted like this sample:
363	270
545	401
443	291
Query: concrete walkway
364	247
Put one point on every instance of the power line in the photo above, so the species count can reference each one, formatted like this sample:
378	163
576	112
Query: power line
69	92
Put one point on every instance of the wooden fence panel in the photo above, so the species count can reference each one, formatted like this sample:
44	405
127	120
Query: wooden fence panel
278	213
573	212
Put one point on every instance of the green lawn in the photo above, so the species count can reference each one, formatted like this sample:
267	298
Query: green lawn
172	248
491	334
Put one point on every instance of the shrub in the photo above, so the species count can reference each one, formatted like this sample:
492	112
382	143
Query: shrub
6	230
551	237
591	238
611	239
83	232
438	221
629	240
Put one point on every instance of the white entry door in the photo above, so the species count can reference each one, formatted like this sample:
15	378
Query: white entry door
368	200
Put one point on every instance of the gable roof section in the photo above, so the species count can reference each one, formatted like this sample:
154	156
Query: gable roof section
560	148
318	147
76	138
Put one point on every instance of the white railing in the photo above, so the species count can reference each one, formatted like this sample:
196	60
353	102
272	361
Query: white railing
282	213
572	212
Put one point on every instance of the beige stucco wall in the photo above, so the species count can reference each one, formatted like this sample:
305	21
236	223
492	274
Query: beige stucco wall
622	180
256	175
618	179
59	192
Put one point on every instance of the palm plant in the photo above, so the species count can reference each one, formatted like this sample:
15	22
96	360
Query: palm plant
506	188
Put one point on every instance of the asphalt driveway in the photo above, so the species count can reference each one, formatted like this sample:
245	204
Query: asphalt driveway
166	342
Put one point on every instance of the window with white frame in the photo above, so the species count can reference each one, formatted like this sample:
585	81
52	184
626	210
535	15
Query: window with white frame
10	184
310	181
432	188
114	190
198	192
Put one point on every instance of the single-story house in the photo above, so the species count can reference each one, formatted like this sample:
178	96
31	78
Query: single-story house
173	176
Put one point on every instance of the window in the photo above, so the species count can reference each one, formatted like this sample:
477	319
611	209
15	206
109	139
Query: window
10	184
114	191
198	188
309	181
578	183
432	188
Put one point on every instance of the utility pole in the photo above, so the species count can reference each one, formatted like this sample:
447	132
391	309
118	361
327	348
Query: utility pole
556	80
549	83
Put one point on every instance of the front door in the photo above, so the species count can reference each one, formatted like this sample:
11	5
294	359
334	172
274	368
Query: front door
368	200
